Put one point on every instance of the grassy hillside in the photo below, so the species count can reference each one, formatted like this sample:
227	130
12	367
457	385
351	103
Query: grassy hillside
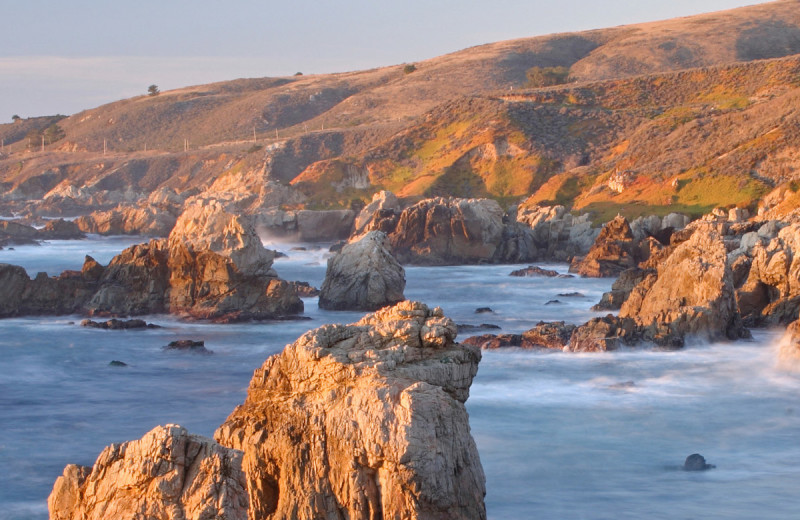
686	113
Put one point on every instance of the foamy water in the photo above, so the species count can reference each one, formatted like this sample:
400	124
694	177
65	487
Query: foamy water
560	435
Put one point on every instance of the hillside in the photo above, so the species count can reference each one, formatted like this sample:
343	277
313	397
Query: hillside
653	104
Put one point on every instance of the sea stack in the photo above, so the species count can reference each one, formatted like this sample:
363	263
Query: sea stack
363	421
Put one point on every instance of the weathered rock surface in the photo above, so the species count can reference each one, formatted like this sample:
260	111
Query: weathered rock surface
129	220
18	233
613	251
363	276
771	292
691	294
603	334
363	421
443	231
64	294
168	474
369	218
307	225
621	289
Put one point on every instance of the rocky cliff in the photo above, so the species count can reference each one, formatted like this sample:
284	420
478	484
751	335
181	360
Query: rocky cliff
363	421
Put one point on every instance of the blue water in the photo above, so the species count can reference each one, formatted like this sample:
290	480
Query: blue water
560	435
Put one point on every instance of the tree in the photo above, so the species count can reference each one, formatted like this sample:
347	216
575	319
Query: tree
15	118
152	90
547	76
53	133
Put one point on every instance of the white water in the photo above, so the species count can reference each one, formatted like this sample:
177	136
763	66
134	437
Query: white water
560	435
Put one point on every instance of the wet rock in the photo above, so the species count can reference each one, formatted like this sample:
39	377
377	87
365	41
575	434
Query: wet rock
304	289
696	462
116	363
115	324
188	345
553	334
484	310
363	421
363	276
573	294
534	271
554	302
603	334
466	327
167	474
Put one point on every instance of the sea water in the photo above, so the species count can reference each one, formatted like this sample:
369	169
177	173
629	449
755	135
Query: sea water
562	436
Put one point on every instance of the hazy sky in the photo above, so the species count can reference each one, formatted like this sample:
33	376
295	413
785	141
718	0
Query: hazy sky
63	57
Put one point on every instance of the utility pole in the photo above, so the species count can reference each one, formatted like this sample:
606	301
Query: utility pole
185	145
42	142
104	146
276	133
254	134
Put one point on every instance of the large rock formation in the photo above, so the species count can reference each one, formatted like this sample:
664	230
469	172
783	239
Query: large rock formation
64	294
613	251
212	266
448	231
691	294
128	220
363	421
168	474
363	276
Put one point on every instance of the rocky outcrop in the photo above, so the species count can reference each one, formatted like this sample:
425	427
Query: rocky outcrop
383	204
363	276
168	474
771	292
546	233
115	324
621	289
552	335
603	334
17	233
363	421
60	229
443	231
613	251
43	295
148	220
307	225
692	293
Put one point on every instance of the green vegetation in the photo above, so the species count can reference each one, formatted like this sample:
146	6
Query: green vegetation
409	68
53	133
547	76
152	90
15	118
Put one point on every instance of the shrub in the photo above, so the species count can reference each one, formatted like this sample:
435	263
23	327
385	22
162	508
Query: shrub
408	69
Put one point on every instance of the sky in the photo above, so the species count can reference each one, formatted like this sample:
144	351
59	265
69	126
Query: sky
63	57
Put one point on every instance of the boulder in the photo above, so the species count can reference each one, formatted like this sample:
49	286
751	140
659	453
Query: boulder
445	231
363	276
696	462
188	345
691	294
363	421
613	251
167	474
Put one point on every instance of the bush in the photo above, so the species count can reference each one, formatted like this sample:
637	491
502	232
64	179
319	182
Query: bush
15	118
547	76
53	133
408	69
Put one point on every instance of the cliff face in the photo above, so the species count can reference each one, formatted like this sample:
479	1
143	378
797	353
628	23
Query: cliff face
168	474
363	421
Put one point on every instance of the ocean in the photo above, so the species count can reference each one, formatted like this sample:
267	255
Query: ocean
561	436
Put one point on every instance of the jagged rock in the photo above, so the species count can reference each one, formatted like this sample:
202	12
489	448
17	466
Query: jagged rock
167	474
691	294
304	289
621	289
150	220
210	227
383	204
43	295
16	233
115	324
534	271
443	231
771	293
363	421
212	266
92	270
614	251
553	335
602	334
188	345
363	276
60	229
546	233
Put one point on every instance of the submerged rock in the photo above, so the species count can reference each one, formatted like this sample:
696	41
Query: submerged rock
363	421
535	271
167	474
363	276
